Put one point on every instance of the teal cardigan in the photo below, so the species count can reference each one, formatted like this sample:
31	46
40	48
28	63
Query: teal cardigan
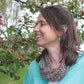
75	74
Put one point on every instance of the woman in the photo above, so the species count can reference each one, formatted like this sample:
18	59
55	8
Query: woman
60	62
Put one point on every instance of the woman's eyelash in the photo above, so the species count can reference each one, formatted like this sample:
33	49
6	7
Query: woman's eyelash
36	24
41	24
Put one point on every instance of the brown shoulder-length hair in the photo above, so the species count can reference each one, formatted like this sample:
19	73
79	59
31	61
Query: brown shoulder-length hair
57	16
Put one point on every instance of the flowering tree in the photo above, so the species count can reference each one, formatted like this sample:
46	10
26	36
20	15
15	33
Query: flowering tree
17	47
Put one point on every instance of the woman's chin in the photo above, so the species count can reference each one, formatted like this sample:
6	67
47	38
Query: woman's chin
39	44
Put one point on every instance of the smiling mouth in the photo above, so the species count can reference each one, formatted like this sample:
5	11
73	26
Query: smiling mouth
39	36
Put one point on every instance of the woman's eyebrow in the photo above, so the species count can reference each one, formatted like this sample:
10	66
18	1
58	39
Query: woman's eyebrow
41	21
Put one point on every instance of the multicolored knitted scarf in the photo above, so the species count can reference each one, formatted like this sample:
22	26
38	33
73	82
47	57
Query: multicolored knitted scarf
49	73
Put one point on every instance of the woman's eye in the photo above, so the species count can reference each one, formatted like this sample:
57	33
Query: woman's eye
42	24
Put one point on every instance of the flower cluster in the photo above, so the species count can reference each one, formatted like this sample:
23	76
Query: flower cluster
1	17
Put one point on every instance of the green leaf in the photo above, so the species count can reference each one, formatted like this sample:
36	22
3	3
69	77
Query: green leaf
3	69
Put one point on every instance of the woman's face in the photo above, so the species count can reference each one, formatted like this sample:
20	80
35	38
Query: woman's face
46	36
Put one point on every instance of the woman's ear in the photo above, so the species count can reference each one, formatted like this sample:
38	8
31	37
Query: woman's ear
64	30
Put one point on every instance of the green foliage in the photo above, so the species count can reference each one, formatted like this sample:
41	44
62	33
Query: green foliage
2	4
9	63
18	47
5	79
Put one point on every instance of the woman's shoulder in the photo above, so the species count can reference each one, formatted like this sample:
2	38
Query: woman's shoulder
79	62
33	64
80	53
75	72
34	69
80	56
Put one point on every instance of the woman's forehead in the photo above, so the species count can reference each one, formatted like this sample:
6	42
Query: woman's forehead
41	18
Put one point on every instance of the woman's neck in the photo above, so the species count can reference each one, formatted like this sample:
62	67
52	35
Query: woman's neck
55	54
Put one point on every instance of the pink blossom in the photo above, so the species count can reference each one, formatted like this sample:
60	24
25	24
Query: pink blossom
65	7
83	11
12	41
39	52
12	50
81	0
77	7
0	11
23	62
18	58
22	58
8	40
2	22
0	29
24	5
36	46
80	8
1	16
24	15
16	53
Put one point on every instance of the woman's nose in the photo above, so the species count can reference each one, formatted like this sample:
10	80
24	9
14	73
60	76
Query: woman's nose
36	29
